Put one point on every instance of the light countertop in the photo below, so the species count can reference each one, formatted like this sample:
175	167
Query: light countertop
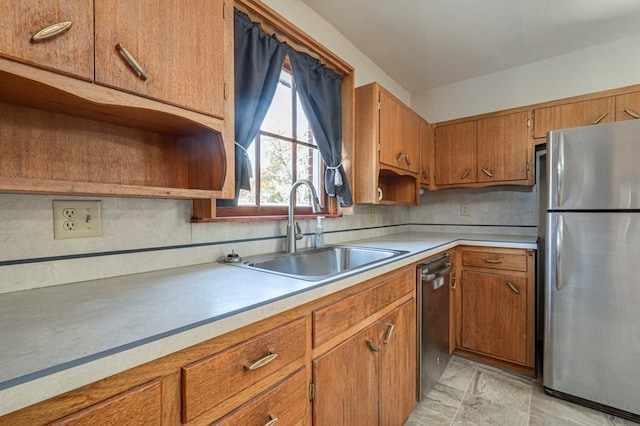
56	339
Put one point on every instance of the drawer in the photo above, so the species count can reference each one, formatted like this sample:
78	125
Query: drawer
492	260
287	402
333	319
208	382
141	405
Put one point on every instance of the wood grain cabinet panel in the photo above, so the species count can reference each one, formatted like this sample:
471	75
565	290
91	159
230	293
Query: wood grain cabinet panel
69	52
495	260
455	153
503	148
286	403
426	154
179	44
208	382
575	114
140	406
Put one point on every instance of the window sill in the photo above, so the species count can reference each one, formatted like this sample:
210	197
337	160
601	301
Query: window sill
260	218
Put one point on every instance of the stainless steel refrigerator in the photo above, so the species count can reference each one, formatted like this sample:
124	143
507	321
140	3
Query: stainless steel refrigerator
592	267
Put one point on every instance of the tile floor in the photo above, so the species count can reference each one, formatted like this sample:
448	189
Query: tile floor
470	393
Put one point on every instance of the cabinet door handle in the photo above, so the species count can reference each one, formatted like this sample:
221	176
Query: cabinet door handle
487	172
372	345
273	420
425	174
632	113
387	338
466	173
399	157
493	260
51	31
407	159
513	287
600	117
261	362
454	283
131	61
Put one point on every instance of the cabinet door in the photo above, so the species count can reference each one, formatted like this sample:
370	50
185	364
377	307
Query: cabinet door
397	368
575	114
346	383
455	153
178	44
69	51
628	106
426	153
503	148
494	315
399	134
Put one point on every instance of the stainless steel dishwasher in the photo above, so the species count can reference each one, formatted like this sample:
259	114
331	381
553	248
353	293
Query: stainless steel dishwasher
433	321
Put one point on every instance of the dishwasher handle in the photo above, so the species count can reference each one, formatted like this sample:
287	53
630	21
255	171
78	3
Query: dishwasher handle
433	275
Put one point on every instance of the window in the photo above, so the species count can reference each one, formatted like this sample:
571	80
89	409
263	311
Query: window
282	152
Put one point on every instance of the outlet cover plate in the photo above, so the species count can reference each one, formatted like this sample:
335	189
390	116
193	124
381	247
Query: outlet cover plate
76	219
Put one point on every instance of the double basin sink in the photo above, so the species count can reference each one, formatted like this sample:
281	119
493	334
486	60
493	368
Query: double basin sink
319	264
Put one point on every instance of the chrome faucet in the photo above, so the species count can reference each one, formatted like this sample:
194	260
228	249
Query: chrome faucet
293	229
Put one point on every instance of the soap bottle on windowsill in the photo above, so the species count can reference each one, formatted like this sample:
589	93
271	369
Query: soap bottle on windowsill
318	238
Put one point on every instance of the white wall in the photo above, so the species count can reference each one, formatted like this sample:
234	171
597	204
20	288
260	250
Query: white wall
597	68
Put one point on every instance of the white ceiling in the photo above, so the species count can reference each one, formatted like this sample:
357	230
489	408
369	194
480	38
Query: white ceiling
424	44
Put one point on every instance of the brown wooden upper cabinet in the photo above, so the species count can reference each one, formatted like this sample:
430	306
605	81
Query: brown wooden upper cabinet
399	134
387	148
628	106
51	34
163	49
426	154
575	114
488	151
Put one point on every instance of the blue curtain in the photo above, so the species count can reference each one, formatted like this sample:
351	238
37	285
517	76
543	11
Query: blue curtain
319	89
258	62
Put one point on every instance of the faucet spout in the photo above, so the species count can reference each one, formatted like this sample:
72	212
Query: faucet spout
292	235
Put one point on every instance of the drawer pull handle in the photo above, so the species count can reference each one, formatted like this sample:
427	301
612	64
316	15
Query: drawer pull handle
131	61
493	261
261	362
513	287
372	345
487	172
632	113
51	31
600	117
273	420
466	173
387	337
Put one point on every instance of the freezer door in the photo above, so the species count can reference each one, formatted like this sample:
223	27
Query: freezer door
592	320
595	167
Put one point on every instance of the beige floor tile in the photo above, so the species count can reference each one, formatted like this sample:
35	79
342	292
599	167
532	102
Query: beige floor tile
458	375
551	410
438	408
480	411
501	389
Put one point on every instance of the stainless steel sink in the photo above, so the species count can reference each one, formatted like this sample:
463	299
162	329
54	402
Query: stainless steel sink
318	264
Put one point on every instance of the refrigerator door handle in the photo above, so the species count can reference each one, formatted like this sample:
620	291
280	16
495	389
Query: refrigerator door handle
559	237
560	169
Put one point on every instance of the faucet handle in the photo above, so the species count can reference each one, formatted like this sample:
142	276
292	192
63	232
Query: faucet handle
298	231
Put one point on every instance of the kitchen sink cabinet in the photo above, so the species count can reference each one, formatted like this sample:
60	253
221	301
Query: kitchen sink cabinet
496	305
387	135
364	366
105	131
489	151
574	114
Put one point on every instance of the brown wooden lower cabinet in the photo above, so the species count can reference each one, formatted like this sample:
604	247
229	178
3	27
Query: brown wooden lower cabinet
370	378
496	303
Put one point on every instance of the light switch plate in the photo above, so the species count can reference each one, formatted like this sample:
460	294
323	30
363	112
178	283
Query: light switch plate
76	219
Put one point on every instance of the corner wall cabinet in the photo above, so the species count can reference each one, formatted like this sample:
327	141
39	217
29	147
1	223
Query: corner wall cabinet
387	135
490	151
426	154
149	120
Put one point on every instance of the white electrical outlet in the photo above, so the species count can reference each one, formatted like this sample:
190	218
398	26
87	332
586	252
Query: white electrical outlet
76	219
464	210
